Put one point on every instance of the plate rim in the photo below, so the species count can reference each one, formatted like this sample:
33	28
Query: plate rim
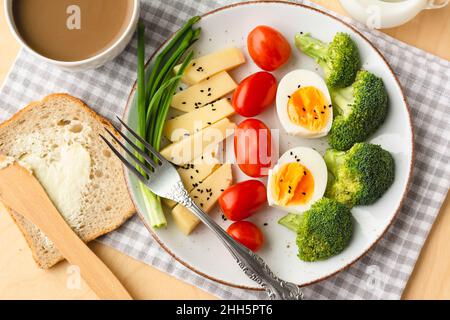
411	165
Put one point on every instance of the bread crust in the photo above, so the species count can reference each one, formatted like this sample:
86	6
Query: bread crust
15	216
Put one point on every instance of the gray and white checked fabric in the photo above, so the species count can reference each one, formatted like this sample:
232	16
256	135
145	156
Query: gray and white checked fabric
380	274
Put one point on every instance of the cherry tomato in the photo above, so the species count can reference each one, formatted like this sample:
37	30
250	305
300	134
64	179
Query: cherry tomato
243	199
247	233
253	148
254	94
268	48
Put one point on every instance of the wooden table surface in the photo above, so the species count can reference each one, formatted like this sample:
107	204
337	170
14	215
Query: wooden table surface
21	279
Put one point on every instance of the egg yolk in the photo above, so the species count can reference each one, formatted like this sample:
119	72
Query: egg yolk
307	108
293	184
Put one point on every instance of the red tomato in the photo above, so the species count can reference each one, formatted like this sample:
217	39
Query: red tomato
268	48
253	148
243	199
254	94
247	233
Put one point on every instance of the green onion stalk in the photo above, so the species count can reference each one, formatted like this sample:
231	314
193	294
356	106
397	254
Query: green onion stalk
154	96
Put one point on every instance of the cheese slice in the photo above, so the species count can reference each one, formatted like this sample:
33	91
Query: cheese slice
204	196
211	64
184	151
194	121
203	93
193	174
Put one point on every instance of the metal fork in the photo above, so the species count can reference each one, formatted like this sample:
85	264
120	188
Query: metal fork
164	180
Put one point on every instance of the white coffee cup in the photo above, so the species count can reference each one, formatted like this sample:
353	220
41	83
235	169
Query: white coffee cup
380	14
91	63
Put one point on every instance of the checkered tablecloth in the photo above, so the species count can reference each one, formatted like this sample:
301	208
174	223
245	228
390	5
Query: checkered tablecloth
380	274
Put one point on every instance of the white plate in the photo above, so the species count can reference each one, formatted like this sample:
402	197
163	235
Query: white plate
201	251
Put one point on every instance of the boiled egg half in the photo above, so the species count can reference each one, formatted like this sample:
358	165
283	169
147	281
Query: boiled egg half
304	104
297	181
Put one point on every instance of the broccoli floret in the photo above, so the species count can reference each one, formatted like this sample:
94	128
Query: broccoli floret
359	111
359	176
323	231
339	59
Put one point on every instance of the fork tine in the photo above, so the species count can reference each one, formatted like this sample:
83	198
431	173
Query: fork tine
138	150
136	159
124	161
145	143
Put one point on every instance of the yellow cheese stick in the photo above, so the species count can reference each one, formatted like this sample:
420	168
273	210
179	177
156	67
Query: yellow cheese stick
183	126
192	147
193	174
205	196
203	93
211	64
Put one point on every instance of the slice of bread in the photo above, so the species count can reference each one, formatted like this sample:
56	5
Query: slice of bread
40	130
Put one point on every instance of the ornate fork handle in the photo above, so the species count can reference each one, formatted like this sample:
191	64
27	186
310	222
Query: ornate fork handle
253	266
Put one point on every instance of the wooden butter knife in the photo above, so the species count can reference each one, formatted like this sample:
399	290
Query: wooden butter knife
22	192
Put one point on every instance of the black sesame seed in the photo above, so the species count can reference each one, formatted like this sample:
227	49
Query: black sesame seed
266	224
304	193
184	102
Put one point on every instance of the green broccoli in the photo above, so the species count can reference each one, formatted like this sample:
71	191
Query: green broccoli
359	111
339	59
323	231
359	176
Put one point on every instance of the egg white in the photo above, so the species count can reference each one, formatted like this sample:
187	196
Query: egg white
287	86
314	162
